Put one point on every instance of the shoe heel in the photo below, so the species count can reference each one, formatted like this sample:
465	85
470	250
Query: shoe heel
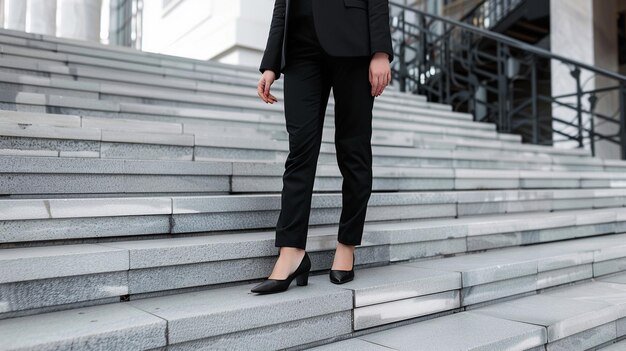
302	279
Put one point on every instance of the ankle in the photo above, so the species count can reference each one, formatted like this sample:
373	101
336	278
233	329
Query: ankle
291	251
344	247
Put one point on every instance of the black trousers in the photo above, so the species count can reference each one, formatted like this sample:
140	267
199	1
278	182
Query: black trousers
309	74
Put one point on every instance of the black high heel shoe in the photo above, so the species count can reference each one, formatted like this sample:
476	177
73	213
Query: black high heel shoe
338	276
278	285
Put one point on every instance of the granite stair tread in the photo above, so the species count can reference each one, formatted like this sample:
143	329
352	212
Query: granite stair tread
565	318
201	316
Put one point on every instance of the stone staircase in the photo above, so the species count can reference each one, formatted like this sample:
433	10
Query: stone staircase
133	186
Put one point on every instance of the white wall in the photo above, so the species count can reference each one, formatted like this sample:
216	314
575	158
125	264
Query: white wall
233	31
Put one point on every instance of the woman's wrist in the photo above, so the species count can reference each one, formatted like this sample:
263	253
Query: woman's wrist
381	54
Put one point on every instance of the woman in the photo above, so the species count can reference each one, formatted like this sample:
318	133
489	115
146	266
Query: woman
319	44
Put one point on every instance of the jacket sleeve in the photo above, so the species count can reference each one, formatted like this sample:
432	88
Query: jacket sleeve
273	49
380	31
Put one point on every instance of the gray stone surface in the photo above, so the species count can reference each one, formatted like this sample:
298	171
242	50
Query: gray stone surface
31	263
398	310
564	275
146	151
483	268
23	164
422	249
351	344
101	207
198	274
498	289
43	147
198	315
118	136
586	339
188	250
277	336
62	291
615	278
40	119
105	184
129	125
461	331
79	228
618	346
562	317
399	281
609	266
117	326
603	292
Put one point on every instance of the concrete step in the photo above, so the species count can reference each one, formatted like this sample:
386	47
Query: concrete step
88	174
102	108
64	218
252	126
169	264
571	318
385	133
617	346
380	296
123	140
30	69
25	60
28	49
383	136
234	99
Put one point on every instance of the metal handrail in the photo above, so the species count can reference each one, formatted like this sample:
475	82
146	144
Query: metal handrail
513	42
477	15
499	79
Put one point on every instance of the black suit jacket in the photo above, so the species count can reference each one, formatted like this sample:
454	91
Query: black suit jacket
344	28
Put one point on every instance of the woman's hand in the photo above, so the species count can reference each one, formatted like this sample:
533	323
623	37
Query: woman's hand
263	88
380	72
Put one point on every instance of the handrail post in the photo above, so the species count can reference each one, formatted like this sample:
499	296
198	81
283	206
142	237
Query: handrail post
622	119
535	112
502	91
447	69
579	106
593	100
403	64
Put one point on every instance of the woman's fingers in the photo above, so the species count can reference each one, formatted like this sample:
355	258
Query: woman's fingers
267	89
381	84
383	80
377	83
261	89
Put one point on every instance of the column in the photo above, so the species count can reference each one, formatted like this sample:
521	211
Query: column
15	14
41	16
79	19
586	31
2	12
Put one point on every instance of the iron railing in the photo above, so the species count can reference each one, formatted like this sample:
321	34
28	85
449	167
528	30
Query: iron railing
507	82
489	13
